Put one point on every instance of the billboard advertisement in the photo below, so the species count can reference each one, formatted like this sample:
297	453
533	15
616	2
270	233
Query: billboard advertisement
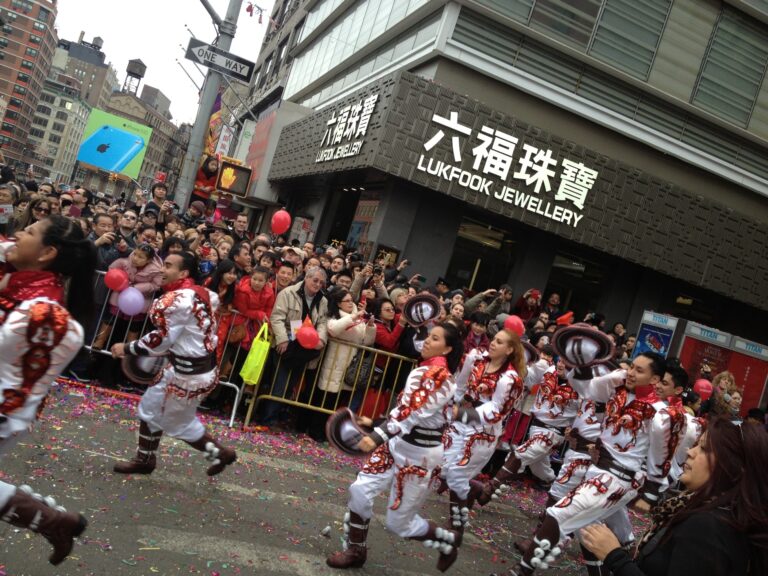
114	144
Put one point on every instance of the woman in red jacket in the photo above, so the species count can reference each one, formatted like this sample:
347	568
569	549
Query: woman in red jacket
254	299
389	329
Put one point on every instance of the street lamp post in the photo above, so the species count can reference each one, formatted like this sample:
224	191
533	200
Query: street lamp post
227	28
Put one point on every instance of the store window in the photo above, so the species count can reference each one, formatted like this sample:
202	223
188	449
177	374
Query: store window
482	258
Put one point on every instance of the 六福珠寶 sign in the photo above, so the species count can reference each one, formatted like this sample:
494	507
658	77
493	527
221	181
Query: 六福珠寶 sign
345	133
494	157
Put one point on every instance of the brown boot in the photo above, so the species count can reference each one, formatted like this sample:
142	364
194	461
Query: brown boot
459	516
219	456
355	537
444	541
145	461
499	484
544	549
42	515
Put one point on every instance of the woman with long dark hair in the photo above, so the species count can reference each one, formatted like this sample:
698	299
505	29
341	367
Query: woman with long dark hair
717	527
223	282
37	209
407	448
38	338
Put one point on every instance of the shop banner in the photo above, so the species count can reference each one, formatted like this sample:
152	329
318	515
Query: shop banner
749	364
705	352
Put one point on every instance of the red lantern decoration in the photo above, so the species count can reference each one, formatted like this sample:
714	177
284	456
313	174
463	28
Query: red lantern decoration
116	279
514	324
281	222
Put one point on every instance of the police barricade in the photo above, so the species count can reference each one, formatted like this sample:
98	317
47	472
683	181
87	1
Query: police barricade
365	379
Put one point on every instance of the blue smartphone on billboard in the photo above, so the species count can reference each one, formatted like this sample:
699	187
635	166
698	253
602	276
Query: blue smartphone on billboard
110	148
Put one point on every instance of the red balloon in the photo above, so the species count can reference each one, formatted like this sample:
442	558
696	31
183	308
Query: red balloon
703	388
281	222
514	324
116	279
307	337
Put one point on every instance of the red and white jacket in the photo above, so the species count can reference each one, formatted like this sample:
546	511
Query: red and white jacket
556	403
38	339
693	430
492	395
424	402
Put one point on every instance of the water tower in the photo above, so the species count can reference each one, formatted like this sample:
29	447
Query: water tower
134	74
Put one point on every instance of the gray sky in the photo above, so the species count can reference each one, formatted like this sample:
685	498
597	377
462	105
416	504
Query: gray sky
152	30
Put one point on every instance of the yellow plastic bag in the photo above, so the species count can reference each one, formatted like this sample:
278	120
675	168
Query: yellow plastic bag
257	357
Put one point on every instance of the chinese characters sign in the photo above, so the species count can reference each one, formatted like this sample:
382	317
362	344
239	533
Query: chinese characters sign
345	131
496	167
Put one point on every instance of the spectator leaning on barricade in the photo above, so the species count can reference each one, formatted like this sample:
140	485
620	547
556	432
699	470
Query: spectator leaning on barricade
293	305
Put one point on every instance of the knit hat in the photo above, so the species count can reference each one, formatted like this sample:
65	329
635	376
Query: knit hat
199	206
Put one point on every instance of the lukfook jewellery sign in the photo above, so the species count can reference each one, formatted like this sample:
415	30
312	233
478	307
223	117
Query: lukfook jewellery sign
345	133
492	171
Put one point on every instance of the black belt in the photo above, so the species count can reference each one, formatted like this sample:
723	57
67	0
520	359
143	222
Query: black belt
582	444
599	407
424	437
536	422
606	462
192	366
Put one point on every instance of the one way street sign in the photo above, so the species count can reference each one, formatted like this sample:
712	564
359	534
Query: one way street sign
219	60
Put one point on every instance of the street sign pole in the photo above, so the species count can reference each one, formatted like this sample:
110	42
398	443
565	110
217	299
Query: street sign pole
186	181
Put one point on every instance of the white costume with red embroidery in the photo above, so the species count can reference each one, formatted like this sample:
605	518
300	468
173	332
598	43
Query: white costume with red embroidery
185	327
554	409
629	430
38	339
693	430
469	446
412	450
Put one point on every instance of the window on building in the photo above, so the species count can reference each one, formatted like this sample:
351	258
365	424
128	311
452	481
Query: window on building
15	102
40	121
8	127
628	34
19	89
43	109
8	29
3	43
22	5
10	15
35	39
734	67
57	127
571	21
23	77
12	114
280	58
37	133
27	64
61	116
50	99
44	15
54	138
31	52
39	26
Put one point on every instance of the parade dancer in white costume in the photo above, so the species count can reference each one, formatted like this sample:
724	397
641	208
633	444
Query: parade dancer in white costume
185	331
488	387
38	338
633	439
407	448
553	410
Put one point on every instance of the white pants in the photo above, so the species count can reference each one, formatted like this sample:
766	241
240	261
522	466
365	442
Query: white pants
469	450
165	411
535	451
599	496
572	473
407	471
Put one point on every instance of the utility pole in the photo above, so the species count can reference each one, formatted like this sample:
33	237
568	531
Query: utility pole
226	29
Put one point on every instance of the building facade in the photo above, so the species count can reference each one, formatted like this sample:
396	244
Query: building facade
27	42
57	127
87	62
609	150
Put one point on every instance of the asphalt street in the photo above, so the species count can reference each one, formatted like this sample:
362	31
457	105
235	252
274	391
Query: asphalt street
264	515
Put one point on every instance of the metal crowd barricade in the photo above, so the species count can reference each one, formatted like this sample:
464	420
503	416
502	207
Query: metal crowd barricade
385	378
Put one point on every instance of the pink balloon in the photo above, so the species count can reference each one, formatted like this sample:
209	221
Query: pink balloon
281	222
514	324
131	301
116	279
307	337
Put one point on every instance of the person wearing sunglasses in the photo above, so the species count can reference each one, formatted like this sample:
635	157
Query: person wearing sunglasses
126	227
36	210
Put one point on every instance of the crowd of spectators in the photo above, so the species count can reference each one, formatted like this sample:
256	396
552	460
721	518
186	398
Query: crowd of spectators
266	278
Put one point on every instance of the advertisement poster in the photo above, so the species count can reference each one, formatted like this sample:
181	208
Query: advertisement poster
655	333
114	144
749	365
258	144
